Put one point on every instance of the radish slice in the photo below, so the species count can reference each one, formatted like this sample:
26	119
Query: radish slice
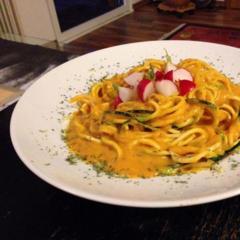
169	75
166	87
159	75
170	67
145	88
182	74
125	94
134	78
135	93
185	86
117	100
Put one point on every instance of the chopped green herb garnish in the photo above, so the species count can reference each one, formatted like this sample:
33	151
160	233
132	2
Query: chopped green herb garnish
42	131
100	166
183	182
63	135
168	171
150	73
234	165
72	160
216	167
168	57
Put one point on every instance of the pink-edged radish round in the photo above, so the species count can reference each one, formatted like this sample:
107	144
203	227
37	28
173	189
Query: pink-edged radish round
185	86
145	88
125	94
117	100
134	78
170	67
166	87
182	74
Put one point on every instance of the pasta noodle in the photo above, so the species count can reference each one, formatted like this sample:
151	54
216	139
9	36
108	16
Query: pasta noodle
163	135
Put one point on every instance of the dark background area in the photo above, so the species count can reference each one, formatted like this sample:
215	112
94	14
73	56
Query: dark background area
74	12
22	63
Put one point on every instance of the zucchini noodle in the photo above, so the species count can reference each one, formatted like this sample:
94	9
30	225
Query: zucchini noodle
164	135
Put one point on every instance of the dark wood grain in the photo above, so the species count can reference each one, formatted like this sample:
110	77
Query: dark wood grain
147	23
233	4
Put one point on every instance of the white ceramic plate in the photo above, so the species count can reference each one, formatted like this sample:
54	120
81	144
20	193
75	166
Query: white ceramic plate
38	119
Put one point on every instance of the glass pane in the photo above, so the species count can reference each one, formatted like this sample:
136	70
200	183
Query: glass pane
71	13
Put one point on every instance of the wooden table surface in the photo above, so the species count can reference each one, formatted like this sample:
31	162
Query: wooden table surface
32	209
146	23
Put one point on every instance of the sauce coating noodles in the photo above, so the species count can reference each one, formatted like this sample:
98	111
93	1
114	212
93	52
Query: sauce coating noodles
164	135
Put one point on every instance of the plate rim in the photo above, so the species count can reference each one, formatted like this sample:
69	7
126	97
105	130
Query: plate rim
212	197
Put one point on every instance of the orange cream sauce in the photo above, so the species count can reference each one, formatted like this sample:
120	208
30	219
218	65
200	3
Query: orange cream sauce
134	163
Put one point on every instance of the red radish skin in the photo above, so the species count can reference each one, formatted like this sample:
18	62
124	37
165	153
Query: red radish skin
166	87
159	75
185	86
134	78
182	74
168	75
145	88
125	94
117	100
